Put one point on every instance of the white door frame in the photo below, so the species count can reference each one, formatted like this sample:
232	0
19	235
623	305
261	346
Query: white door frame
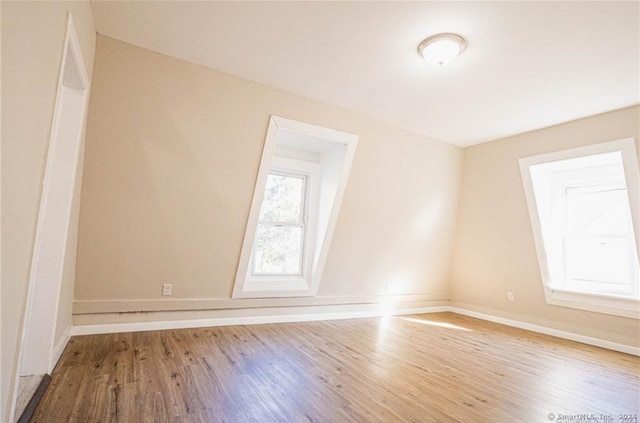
38	355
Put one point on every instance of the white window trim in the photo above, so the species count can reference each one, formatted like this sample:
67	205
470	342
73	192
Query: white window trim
288	286
601	303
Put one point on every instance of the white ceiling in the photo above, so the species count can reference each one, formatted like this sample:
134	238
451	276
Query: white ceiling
527	65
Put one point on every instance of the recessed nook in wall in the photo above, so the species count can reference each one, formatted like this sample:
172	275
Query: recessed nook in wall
301	181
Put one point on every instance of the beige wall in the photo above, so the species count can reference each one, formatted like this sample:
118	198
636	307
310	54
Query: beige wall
172	157
32	42
495	251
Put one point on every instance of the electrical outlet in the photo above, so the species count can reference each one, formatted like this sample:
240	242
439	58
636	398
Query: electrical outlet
511	297
167	289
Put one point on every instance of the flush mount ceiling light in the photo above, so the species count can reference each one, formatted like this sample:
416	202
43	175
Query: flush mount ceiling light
440	49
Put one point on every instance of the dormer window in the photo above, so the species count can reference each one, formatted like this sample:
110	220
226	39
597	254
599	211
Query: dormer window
301	181
584	206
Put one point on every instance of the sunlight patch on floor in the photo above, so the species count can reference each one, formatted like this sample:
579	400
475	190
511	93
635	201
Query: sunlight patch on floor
438	324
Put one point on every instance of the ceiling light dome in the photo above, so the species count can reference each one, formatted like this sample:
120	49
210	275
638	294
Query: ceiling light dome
440	49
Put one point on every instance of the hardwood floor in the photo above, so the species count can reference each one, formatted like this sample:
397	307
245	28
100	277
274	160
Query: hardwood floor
427	368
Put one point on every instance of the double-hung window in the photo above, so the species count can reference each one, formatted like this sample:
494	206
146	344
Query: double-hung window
286	225
598	240
282	226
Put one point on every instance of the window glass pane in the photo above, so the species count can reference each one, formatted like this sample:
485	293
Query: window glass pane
598	247
283	199
278	250
604	260
598	211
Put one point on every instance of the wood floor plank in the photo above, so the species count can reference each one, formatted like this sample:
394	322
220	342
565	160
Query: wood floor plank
424	368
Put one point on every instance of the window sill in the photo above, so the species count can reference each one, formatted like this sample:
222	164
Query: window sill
271	287
600	303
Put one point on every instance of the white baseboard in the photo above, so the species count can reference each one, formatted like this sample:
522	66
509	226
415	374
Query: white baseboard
89	307
245	320
285	318
59	349
549	331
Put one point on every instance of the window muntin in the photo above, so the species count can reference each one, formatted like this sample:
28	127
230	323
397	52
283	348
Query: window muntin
280	235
